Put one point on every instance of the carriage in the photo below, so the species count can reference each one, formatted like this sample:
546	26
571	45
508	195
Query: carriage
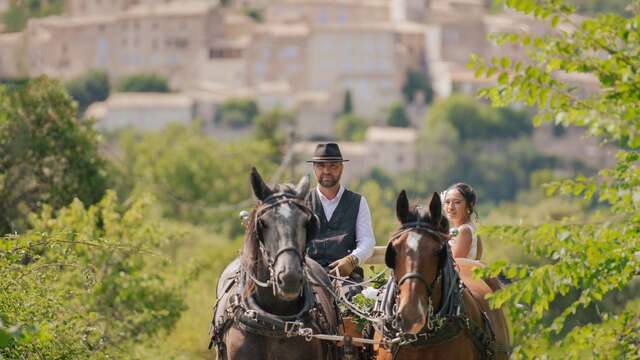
275	302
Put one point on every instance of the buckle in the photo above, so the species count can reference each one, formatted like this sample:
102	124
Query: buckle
252	314
292	328
408	339
234	300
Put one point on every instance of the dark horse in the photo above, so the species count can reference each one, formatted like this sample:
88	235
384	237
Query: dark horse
433	313
273	290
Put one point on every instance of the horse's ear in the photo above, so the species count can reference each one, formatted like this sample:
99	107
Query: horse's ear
402	207
260	189
302	189
390	256
435	209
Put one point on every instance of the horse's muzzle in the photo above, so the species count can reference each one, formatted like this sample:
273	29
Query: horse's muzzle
289	281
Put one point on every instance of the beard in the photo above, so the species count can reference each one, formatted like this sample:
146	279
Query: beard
328	181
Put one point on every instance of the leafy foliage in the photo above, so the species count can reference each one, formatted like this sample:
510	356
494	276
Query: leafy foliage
89	88
236	113
272	126
347	103
83	285
195	178
415	82
398	116
592	259
351	127
143	83
475	120
465	140
16	17
47	156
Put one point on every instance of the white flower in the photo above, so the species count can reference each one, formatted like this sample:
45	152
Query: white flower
370	293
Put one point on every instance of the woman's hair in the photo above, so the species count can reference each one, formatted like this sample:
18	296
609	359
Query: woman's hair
469	195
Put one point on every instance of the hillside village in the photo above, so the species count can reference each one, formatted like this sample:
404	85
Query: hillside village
299	55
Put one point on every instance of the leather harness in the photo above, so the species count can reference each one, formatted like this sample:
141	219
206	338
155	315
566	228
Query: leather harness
451	319
246	314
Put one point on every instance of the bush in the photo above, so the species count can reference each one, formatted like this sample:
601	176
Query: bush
351	128
89	88
194	177
397	116
144	83
16	17
83	285
236	113
475	120
271	126
47	155
416	82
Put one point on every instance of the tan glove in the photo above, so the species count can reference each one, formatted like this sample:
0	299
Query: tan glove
344	266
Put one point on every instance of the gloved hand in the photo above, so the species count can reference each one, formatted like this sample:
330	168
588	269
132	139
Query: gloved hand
344	266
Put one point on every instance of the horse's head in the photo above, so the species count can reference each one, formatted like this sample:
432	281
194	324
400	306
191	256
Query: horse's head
283	225
416	254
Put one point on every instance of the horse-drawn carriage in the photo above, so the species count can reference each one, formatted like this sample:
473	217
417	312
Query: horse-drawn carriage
273	302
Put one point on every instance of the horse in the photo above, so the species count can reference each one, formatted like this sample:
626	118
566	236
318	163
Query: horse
435	308
272	293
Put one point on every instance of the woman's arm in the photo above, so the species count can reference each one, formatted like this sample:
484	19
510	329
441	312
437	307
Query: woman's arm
462	243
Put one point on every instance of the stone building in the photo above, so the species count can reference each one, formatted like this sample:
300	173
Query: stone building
176	40
323	12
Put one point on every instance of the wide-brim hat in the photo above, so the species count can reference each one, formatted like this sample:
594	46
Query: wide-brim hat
329	152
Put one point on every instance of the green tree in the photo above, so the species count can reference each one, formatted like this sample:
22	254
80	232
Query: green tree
236	113
16	17
475	120
88	283
89	88
351	127
415	82
47	155
195	178
347	103
143	83
590	259
397	116
274	126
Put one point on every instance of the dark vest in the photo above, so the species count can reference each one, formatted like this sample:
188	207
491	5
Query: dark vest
336	238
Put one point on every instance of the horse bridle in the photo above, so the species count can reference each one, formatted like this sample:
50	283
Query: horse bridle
267	205
429	287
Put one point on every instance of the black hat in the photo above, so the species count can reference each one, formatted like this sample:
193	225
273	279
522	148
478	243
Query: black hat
329	152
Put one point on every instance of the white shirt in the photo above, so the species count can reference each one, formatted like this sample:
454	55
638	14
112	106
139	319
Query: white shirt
365	240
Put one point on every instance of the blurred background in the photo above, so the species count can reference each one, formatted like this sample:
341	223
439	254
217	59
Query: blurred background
178	99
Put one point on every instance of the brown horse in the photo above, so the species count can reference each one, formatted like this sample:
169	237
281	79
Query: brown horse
265	297
433	314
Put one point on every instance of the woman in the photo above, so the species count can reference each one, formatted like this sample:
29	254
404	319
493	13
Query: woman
459	204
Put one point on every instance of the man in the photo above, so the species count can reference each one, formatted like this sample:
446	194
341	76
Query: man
345	236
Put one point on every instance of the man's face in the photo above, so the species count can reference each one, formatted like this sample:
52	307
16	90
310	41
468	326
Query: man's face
328	173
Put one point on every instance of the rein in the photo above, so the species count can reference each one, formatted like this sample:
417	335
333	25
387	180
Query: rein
451	318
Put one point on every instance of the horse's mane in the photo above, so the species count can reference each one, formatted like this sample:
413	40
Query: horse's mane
250	255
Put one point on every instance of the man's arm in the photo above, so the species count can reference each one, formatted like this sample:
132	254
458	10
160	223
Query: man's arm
365	239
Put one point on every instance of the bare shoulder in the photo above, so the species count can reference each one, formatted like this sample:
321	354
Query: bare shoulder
465	230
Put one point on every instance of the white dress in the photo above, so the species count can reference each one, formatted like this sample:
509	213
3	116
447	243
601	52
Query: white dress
473	251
